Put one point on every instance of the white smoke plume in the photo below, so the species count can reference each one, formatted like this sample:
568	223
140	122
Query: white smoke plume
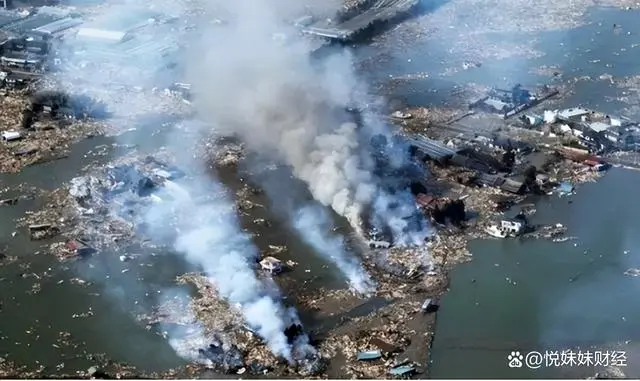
269	92
313	224
209	237
206	229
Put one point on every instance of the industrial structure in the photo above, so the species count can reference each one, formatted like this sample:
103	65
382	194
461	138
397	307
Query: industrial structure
28	39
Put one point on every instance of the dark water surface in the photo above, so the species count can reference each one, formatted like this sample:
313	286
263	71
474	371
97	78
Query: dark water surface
541	295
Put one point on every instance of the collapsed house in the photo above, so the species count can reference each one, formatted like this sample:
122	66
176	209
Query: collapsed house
510	102
497	181
583	156
443	210
228	358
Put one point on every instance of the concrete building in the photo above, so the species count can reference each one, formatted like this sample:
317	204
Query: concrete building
114	30
92	35
513	226
272	265
59	27
573	114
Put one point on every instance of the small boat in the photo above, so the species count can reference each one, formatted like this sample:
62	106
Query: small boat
495	231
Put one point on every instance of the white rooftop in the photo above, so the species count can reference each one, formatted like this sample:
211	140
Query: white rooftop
599	126
11	135
101	34
573	112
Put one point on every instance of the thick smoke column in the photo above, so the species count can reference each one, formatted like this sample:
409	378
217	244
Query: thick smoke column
209	236
314	225
270	93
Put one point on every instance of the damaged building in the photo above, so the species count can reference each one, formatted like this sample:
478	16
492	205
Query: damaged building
29	43
26	54
58	104
596	131
350	24
497	181
507	103
443	210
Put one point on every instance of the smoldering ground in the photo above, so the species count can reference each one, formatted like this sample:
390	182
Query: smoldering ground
210	238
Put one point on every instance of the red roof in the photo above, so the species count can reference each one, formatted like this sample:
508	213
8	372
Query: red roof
424	199
72	245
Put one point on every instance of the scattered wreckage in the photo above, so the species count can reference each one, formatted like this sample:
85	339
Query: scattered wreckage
57	104
510	102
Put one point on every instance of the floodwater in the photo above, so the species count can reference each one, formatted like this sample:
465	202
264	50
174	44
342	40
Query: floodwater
544	296
539	295
526	295
31	325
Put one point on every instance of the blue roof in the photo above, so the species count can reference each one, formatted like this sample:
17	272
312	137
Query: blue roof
402	369
369	355
565	187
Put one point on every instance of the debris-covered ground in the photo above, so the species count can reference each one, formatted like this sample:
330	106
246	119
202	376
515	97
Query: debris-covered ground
473	31
79	219
41	137
45	140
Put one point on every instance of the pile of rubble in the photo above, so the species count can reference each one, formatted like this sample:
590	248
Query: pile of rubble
226	153
99	210
553	232
574	172
50	221
378	345
46	139
217	315
229	345
419	119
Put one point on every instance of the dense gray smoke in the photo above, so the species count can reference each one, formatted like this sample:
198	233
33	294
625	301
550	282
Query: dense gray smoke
269	92
314	225
195	215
